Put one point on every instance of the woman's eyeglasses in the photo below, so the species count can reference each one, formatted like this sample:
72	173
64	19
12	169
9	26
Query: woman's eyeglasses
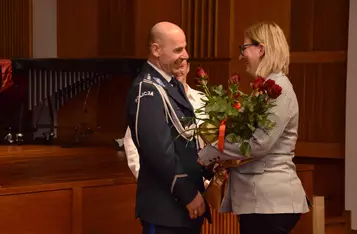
245	46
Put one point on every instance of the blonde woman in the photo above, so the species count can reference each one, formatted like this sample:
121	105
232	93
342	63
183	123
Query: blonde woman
266	194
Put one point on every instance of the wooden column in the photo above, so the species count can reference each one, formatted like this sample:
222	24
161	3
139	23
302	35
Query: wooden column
15	28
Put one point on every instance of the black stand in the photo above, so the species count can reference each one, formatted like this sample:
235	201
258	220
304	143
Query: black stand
81	130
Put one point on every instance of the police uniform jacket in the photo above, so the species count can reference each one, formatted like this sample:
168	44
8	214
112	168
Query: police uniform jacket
169	176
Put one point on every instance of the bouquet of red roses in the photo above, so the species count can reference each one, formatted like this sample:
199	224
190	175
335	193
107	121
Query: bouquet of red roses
233	115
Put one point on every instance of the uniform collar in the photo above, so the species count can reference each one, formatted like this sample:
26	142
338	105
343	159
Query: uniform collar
161	72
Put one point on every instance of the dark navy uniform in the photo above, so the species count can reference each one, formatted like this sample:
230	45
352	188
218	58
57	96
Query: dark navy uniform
169	176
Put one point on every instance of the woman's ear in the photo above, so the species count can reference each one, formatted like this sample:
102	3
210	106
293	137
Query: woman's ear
261	50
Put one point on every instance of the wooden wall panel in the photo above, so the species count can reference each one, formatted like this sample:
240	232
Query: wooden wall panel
319	89
77	28
40	213
116	28
208	25
302	28
328	181
101	29
217	70
200	23
148	13
319	31
15	28
331	24
323	27
109	206
110	28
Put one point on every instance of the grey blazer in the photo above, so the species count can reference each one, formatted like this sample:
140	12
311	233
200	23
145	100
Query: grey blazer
269	184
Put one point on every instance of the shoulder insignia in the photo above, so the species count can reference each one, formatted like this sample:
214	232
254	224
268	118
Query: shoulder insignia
145	93
159	82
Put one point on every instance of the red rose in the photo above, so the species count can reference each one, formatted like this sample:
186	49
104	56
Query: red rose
275	91
235	79
201	81
237	105
201	76
269	84
258	83
200	73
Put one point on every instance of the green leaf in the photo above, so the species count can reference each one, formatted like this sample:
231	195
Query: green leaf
219	90
251	127
233	112
233	88
261	123
269	124
245	148
231	137
250	106
252	117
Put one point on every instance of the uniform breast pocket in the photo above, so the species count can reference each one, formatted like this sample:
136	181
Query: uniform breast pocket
255	167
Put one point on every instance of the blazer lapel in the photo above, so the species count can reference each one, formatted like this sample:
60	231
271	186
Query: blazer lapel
178	94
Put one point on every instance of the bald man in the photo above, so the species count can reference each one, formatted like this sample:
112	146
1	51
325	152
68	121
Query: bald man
170	186
195	98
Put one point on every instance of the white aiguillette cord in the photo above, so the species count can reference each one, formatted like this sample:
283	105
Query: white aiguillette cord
169	111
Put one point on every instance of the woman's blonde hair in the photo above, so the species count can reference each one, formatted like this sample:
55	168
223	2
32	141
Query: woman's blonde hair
276	57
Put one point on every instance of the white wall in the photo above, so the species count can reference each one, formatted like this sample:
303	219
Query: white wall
44	28
44	43
351	117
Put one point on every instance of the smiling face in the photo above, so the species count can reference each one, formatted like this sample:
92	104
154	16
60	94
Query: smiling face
251	54
181	72
170	51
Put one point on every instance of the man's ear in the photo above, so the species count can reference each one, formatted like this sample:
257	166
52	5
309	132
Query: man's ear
188	68
155	49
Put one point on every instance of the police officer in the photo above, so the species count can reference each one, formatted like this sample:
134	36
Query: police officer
170	186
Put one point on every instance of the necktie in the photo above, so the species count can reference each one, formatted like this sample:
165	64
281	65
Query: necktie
173	82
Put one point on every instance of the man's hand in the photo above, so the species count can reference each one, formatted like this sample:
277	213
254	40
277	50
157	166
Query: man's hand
196	207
